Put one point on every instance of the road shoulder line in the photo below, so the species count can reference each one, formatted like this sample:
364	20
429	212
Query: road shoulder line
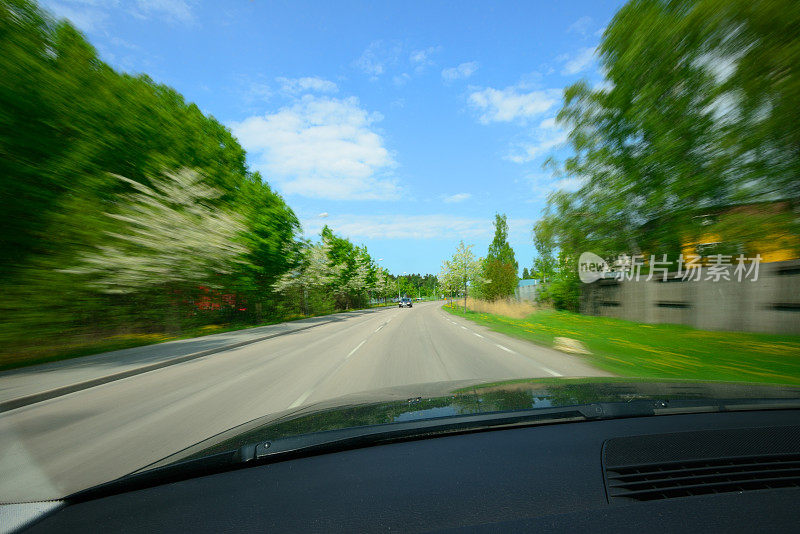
42	396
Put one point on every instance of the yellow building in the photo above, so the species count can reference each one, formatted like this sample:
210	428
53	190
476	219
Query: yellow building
765	228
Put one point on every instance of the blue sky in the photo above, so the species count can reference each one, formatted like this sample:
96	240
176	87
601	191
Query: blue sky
404	126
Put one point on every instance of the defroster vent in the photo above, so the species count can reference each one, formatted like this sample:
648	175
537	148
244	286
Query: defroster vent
665	466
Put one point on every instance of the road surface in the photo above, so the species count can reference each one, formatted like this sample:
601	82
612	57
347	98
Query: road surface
52	448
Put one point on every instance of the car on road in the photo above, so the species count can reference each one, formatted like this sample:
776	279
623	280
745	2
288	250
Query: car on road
404	302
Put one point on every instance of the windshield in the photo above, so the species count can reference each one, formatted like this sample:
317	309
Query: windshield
217	213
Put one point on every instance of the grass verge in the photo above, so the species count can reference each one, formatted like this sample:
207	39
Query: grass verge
631	349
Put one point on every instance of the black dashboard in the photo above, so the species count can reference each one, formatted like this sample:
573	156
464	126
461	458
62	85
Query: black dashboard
720	472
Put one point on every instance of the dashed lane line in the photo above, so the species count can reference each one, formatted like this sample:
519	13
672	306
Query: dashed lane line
355	349
501	347
300	400
550	371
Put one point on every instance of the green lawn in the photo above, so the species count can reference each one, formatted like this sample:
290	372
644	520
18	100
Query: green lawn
632	349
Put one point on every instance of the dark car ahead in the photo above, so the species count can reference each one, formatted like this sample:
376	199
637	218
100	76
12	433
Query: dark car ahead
404	302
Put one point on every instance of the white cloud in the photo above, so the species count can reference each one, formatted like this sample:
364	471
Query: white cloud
256	92
323	215
88	16
525	152
402	226
458	197
461	72
548	124
378	57
423	58
401	79
545	138
544	184
381	57
92	15
173	10
580	26
321	147
432	226
122	43
307	85
579	62
509	104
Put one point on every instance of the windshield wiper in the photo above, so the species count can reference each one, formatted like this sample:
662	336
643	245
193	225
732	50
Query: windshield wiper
329	441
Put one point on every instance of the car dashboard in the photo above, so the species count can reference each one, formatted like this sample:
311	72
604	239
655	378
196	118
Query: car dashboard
713	472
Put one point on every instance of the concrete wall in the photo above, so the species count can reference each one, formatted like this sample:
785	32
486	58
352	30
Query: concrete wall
769	305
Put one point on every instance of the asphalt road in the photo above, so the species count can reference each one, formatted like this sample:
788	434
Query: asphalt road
61	445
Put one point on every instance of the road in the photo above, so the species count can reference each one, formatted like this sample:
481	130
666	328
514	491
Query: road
71	442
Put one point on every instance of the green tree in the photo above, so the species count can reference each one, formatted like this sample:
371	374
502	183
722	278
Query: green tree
499	248
462	270
544	264
560	285
500	266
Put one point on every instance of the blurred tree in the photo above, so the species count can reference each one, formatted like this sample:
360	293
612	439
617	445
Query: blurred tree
310	278
271	240
68	125
698	110
170	239
333	273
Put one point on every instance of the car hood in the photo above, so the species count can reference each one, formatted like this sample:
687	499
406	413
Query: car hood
443	399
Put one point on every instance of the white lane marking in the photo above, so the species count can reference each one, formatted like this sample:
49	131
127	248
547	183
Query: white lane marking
308	393
501	347
355	349
301	400
546	370
379	328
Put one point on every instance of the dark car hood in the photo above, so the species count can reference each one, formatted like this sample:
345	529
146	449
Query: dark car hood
442	399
